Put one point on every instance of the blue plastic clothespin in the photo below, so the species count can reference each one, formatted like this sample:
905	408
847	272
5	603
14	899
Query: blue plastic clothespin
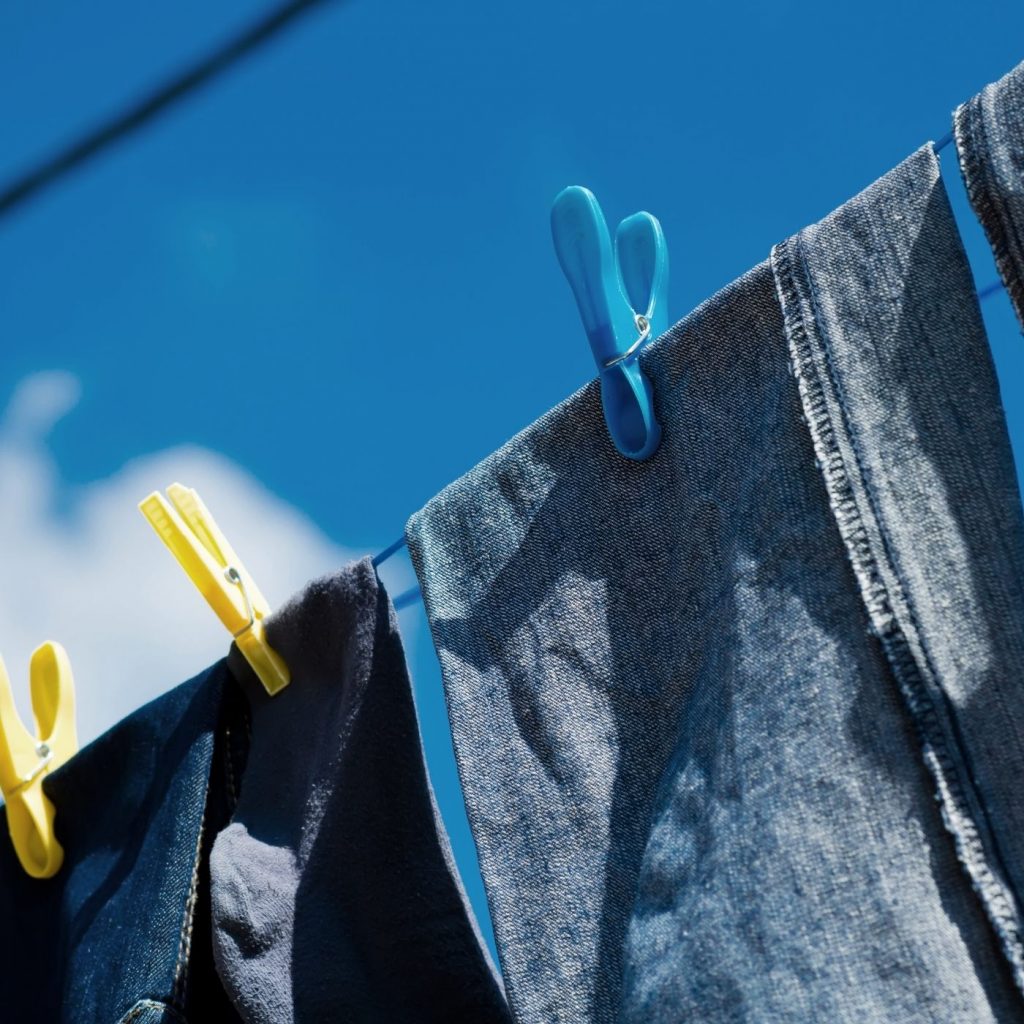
622	297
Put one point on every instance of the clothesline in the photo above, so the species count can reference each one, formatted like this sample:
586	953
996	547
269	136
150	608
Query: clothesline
407	597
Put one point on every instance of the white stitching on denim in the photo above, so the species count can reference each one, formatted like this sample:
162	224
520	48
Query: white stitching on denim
150	1004
954	803
229	767
1000	228
185	939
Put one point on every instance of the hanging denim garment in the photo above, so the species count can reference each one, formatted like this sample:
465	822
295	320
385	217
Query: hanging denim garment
740	727
295	837
121	932
991	149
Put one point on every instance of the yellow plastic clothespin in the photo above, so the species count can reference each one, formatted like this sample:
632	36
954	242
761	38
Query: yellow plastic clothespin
25	760
187	528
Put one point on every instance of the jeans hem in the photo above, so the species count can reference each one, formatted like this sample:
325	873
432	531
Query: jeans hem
1007	250
886	604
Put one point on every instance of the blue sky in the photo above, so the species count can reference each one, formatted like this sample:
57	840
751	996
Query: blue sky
328	278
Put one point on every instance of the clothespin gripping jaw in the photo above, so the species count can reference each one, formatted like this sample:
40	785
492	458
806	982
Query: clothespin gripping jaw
26	759
621	299
190	532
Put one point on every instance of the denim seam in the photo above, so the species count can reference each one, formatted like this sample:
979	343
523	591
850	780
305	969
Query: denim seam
804	338
188	921
150	1004
968	125
229	769
955	746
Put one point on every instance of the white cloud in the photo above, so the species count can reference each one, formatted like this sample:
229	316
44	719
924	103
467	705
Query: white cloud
81	566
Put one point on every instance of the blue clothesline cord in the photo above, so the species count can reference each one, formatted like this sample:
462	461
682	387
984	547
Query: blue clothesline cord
388	552
943	142
406	598
990	289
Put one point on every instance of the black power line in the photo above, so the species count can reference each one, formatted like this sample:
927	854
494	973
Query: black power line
156	102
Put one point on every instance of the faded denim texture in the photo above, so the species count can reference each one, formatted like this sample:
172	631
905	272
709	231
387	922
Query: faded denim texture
739	727
121	933
989	132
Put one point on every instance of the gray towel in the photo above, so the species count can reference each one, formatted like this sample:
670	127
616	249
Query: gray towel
334	892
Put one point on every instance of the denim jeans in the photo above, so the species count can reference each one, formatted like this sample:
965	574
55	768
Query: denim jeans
121	933
300	831
741	728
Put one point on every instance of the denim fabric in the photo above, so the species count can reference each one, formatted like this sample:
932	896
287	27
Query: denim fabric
903	408
118	933
989	132
739	727
334	892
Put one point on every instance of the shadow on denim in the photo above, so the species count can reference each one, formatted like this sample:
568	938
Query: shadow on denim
696	789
